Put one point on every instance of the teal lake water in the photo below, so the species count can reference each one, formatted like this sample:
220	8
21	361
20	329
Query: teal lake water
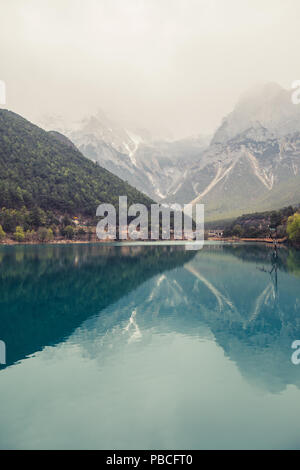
152	347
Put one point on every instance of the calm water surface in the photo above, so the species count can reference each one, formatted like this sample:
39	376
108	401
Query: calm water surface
149	347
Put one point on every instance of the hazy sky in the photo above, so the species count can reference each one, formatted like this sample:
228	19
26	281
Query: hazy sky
171	65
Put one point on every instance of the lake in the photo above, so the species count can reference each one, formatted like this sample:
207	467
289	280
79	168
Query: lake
149	347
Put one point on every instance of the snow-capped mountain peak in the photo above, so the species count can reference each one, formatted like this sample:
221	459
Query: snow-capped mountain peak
268	104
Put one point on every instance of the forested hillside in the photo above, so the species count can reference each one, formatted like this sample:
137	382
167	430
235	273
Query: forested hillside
283	223
39	170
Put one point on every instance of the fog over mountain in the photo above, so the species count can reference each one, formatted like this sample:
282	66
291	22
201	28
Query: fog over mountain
166	95
269	105
251	162
172	67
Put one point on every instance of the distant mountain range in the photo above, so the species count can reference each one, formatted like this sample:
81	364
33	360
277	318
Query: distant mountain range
251	163
155	167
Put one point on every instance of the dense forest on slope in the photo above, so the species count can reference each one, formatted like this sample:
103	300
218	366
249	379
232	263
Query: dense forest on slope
281	223
37	169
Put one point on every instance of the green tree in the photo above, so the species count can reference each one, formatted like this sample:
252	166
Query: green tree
275	219
8	220
281	231
50	234
81	232
66	221
2	233
237	230
44	234
30	235
19	234
293	228
68	232
37	217
90	234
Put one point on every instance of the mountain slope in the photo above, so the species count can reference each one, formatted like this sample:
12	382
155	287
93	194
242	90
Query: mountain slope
38	168
155	167
251	164
253	161
268	104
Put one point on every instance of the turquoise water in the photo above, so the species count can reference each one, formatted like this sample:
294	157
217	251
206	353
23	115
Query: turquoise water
149	347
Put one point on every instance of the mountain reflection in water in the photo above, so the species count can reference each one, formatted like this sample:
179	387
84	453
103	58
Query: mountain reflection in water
110	301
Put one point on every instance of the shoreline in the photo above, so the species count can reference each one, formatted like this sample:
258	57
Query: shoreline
52	242
269	241
279	241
